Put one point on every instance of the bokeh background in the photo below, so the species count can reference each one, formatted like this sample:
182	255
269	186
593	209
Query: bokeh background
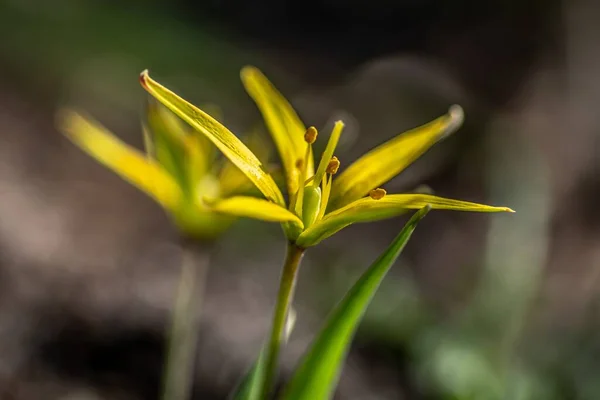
478	307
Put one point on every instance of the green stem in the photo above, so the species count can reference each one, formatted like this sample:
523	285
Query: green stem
181	352
287	284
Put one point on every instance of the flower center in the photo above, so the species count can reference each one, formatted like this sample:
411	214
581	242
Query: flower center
310	202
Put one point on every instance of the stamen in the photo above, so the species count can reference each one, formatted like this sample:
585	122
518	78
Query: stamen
311	135
333	166
299	198
326	191
299	164
297	204
377	194
328	153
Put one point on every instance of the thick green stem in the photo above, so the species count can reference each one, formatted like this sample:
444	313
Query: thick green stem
287	284
181	352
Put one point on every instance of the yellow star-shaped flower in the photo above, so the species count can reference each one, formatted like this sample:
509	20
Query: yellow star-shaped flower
178	169
318	205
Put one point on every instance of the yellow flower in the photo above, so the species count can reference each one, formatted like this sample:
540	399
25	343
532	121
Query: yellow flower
178	169
319	205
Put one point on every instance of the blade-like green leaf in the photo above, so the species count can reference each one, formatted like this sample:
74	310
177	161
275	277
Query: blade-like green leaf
249	388
317	374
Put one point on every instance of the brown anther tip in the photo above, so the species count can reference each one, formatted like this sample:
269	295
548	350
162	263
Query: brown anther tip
143	78
299	163
333	166
377	194
311	135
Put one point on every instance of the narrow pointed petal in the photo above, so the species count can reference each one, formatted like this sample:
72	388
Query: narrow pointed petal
131	164
252	207
221	137
368	209
389	159
283	122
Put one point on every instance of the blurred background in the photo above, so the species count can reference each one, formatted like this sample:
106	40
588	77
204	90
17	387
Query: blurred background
479	307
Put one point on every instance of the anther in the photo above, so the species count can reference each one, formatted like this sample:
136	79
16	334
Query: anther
311	135
333	166
377	194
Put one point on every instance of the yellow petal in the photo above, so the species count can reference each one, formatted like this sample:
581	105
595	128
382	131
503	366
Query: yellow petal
232	180
131	164
222	138
389	159
252	207
368	209
283	122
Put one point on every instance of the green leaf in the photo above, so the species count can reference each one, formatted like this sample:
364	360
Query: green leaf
317	374
250	386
